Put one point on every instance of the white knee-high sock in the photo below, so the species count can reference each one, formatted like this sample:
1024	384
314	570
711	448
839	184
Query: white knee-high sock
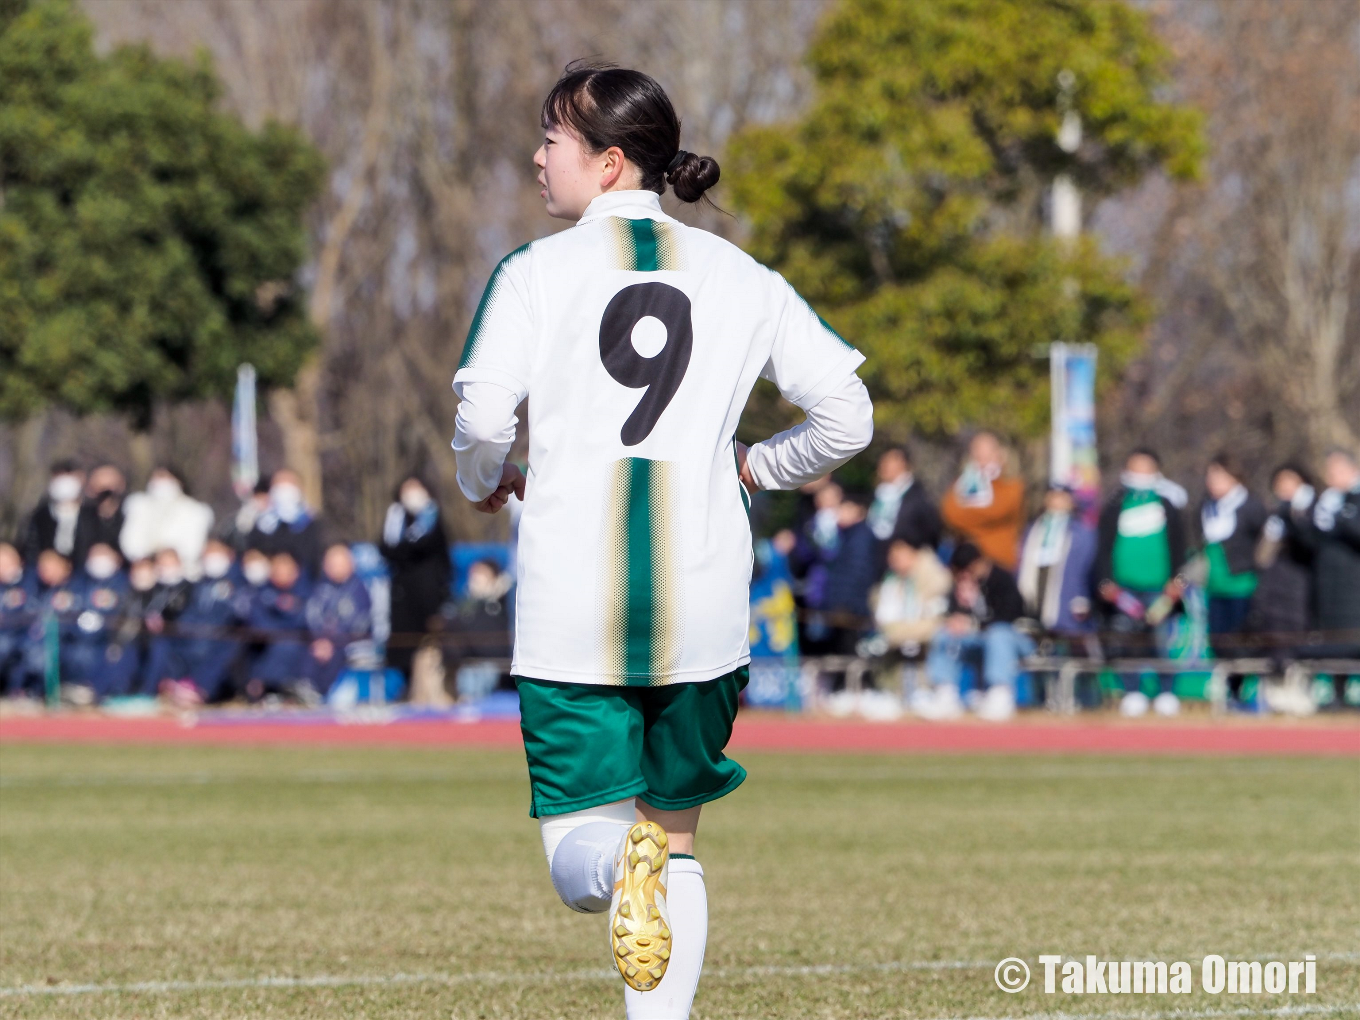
580	847
687	904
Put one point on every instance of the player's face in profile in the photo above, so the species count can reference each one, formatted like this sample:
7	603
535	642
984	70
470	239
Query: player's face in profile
569	175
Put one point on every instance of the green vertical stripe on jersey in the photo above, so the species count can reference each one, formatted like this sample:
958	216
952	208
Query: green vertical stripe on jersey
641	594
638	613
477	331
644	246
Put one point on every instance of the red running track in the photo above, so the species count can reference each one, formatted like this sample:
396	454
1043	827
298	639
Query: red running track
754	732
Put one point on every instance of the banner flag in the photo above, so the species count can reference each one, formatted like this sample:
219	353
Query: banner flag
245	454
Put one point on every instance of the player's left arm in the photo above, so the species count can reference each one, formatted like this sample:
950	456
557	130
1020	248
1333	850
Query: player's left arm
813	368
838	426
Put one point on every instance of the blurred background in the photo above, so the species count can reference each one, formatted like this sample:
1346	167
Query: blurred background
281	215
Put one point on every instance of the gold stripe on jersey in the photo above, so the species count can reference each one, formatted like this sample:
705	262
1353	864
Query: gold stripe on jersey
644	246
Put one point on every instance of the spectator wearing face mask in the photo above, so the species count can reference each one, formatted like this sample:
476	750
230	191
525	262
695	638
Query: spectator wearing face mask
18	603
1282	604
55	523
279	616
1231	523
96	660
161	611
339	613
166	517
417	553
984	506
103	517
1056	560
1332	533
287	525
195	665
1138	561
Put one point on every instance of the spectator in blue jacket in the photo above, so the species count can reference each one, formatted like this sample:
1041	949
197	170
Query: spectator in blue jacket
1057	558
196	664
96	661
279	616
338	614
18	598
57	598
850	566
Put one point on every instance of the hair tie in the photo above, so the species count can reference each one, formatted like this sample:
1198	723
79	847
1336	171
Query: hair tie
675	163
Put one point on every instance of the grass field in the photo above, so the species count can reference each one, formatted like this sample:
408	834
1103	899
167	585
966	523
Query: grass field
394	883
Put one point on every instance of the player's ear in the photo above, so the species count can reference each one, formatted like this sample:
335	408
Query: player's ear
611	169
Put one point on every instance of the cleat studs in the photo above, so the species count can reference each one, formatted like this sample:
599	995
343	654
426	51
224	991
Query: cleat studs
652	912
622	950
656	973
644	943
663	955
625	910
665	933
630	972
633	858
638	835
621	930
643	961
661	839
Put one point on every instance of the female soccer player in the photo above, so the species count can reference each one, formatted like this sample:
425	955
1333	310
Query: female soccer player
638	340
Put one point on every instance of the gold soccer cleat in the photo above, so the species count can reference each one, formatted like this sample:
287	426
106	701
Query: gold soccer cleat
639	926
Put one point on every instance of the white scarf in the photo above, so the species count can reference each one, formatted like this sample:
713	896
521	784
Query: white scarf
974	487
887	502
1329	504
1041	545
1158	483
1218	518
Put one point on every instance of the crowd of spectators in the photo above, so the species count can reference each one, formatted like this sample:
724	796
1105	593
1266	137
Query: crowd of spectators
965	586
146	593
107	593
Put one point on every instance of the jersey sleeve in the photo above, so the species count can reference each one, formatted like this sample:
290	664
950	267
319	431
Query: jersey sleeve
809	359
500	340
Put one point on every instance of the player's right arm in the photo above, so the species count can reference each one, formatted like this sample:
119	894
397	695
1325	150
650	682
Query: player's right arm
492	379
814	368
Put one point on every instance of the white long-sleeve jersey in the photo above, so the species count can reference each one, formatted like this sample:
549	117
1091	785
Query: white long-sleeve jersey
638	340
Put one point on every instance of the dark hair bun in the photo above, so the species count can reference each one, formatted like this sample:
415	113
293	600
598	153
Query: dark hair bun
694	176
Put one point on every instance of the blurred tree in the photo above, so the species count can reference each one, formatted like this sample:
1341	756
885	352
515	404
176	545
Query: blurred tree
148	242
908	202
1270	248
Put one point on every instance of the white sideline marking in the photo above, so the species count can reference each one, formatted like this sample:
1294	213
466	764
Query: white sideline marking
716	973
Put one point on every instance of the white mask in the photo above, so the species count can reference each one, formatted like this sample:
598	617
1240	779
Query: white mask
101	568
163	488
64	489
170	575
216	565
287	501
415	500
256	571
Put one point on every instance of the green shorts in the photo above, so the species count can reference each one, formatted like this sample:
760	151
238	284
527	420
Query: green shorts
589	744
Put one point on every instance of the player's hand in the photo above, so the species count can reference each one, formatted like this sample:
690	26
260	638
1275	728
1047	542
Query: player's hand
743	472
1109	591
512	481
